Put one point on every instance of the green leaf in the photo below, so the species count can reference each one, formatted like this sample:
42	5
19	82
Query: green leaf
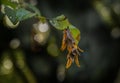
61	23
9	3
75	33
23	14
11	14
18	14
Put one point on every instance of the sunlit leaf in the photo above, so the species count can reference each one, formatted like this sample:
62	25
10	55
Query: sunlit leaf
61	22
75	33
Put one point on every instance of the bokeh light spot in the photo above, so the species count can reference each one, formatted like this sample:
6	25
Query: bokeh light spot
14	43
43	27
8	64
115	33
53	49
117	8
61	73
39	38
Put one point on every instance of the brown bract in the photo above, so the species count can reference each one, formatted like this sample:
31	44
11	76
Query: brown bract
68	43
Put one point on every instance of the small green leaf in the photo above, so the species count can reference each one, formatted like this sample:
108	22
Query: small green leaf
75	33
7	22
18	14
61	23
11	13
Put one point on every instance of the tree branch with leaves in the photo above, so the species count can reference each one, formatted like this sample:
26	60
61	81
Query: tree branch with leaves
13	12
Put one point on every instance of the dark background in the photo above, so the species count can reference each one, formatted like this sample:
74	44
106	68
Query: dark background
23	60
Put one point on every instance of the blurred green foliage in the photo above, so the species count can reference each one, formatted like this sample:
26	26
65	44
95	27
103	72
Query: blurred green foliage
30	53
